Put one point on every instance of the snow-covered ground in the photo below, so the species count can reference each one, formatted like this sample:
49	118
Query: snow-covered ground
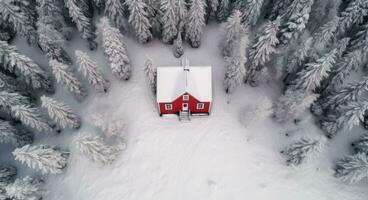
213	157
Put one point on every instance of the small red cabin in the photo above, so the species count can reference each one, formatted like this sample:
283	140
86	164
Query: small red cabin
184	90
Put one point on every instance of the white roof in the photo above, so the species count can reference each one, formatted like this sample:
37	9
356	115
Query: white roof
173	81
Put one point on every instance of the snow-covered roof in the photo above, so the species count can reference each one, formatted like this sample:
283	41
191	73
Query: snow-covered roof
173	81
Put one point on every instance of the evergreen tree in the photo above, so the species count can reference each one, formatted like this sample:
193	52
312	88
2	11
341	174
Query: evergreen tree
23	67
30	116
97	150
195	22
115	49
138	18
84	23
9	99
6	31
10	134
323	11
279	8
116	11
24	189
151	74
89	70
46	159
299	56
361	145
154	15
178	46
182	12
301	150
354	13
100	5
7	174
352	168
10	84
234	31
110	125
263	47
20	18
170	19
360	41
235	67
223	10
65	75
326	33
252	11
60	113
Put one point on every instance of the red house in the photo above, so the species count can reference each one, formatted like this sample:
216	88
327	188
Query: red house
184	90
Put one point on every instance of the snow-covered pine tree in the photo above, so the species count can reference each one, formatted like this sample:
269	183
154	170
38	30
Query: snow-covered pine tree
296	19
9	83
360	40
10	134
279	8
115	49
251	12
24	189
9	99
30	116
65	75
46	159
170	19
292	104
235	67
223	10
138	18
352	168
298	57
195	22
154	15
99	5
322	12
263	47
182	12
234	31
346	117
354	13
60	113
6	31
326	33
89	69
15	13
361	145
178	46
97	150
23	67
298	152
116	11
110	125
151	74
84	24
7	174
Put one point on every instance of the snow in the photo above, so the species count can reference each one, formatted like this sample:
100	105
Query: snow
173	82
212	158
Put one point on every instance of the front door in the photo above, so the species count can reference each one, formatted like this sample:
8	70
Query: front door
185	106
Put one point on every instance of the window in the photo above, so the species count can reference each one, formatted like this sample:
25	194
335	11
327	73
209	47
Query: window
185	97
200	106
168	106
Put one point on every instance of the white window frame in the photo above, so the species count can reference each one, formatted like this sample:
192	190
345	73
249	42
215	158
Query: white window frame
200	106
168	106
185	97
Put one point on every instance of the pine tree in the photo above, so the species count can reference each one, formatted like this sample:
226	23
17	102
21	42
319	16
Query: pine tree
138	18
10	134
352	168
46	159
360	41
100	5
10	84
301	150
9	99
7	174
23	67
182	12
223	10
110	125
6	31
235	67
279	8
97	150
84	23
115	49
326	33
11	11
252	12
65	75
89	70
151	74
170	19
116	11
178	46
354	13
299	56
234	31
263	47
24	189
60	113
30	116
195	22
361	145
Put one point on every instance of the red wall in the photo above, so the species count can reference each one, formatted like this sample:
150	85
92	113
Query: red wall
177	105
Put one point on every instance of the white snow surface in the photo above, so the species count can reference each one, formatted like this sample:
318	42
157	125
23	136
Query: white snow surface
208	158
173	81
